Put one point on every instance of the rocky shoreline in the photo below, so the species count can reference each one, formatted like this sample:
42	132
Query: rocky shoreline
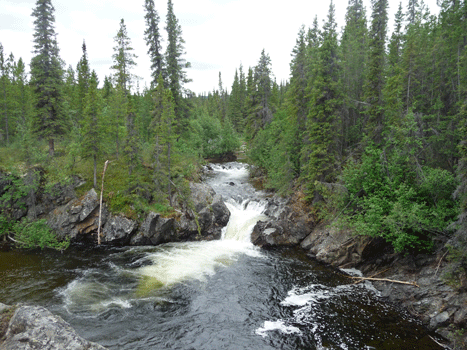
433	299
438	304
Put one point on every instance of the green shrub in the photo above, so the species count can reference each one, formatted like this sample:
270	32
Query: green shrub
36	234
394	199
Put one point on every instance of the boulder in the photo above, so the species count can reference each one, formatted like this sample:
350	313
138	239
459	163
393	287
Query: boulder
118	230
289	224
78	219
34	327
201	195
155	230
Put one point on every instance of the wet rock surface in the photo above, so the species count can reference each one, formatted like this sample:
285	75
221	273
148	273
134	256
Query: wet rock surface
439	305
201	219
34	327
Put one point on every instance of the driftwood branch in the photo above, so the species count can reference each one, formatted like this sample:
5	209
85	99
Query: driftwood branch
16	241
437	342
100	205
361	279
439	263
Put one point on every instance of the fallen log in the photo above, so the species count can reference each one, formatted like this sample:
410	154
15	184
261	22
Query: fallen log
361	279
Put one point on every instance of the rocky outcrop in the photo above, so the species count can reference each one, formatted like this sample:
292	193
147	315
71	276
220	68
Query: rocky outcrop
78	219
440	305
26	196
289	223
34	327
201	219
155	230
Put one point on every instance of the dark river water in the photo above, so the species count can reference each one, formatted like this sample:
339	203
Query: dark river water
224	294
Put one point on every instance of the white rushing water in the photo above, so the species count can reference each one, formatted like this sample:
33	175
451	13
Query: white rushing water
196	260
173	263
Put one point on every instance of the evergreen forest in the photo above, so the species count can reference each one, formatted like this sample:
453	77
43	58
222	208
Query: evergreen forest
369	130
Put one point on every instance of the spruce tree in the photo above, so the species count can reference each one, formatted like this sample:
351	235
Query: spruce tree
376	66
236	102
176	65
298	100
322	129
132	148
153	41
156	128
124	58
83	81
353	50
91	125
168	136
46	75
3	85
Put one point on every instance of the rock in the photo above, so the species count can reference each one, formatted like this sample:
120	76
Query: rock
439	320
78	219
210	210
34	327
4	307
220	211
118	230
201	195
156	230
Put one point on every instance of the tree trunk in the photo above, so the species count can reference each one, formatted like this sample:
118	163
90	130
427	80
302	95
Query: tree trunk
95	171
168	166
6	115
100	204
51	147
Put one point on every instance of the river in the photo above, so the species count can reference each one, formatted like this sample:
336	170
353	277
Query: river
224	294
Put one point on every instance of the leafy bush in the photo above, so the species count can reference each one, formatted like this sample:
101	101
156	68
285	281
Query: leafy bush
211	138
271	151
33	234
398	201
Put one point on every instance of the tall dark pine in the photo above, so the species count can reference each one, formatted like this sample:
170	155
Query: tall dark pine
3	98
46	75
376	64
176	64
84	76
124	58
323	137
353	50
153	41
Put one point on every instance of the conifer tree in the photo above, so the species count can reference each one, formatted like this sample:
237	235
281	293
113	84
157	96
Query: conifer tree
176	65
91	125
46	75
353	49
118	111
70	97
124	58
394	87
376	66
83	81
167	135
156	127
236	103
298	99
322	127
153	41
132	148
25	110
3	85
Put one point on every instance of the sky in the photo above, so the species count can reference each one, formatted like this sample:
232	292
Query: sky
219	34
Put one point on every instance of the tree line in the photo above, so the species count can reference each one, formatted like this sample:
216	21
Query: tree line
62	120
370	128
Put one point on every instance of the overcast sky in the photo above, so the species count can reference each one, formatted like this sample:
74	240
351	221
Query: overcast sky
219	34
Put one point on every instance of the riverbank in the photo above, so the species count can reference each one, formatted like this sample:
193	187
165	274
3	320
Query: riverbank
434	294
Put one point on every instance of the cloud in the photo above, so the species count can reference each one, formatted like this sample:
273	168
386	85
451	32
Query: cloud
204	66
